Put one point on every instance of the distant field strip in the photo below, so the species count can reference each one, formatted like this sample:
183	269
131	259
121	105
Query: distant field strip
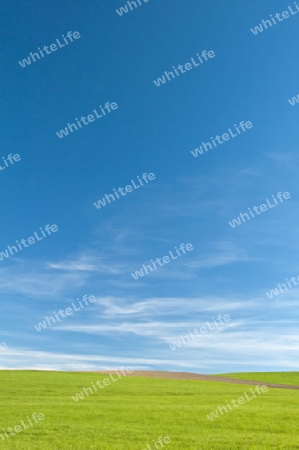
211	378
288	378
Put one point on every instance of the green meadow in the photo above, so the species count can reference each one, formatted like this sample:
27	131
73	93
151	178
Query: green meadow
132	412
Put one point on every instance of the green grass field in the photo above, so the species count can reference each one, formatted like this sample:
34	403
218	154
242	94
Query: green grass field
132	412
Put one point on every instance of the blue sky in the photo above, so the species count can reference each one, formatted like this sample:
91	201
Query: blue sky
190	201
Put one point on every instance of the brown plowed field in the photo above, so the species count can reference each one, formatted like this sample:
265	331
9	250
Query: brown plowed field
195	376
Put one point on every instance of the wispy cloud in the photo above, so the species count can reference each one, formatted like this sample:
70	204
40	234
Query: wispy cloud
34	280
86	263
43	360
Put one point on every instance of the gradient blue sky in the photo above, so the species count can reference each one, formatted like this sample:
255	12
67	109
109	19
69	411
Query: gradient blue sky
192	199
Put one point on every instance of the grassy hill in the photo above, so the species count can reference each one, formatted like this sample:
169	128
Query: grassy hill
132	412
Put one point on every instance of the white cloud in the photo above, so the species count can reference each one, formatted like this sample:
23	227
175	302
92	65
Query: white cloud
86	263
